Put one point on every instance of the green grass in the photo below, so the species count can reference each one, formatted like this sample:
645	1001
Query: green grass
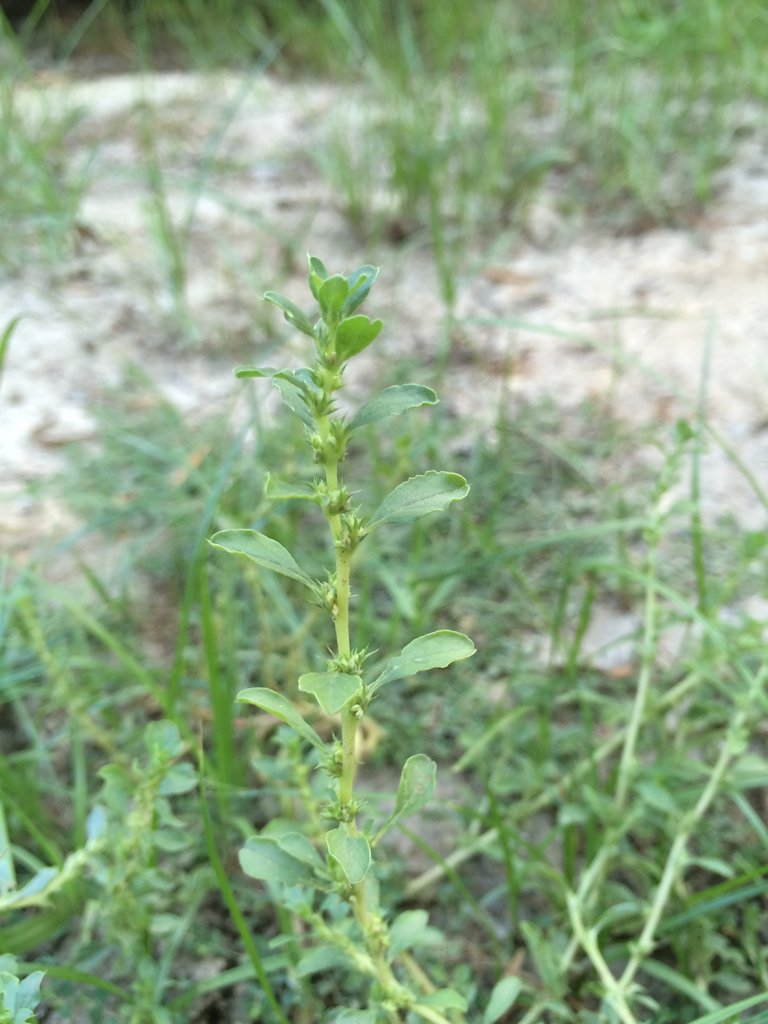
539	762
461	115
40	190
452	119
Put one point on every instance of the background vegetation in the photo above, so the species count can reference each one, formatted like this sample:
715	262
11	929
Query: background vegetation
117	692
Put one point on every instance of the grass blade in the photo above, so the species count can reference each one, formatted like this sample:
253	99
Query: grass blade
725	900
682	984
72	974
5	340
191	588
229	899
221	698
231	977
729	1012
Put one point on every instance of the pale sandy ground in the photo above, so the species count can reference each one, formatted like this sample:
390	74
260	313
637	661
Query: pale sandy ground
633	313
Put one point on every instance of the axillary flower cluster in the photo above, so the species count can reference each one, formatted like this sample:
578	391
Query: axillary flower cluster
291	859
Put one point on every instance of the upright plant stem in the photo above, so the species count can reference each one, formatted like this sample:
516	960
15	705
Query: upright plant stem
341	624
626	767
347	779
589	944
342	600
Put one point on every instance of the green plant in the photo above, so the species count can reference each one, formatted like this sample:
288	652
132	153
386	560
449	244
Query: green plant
40	187
345	689
18	999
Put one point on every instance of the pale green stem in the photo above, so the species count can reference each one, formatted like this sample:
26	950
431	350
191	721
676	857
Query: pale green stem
581	937
429	1014
349	760
535	1012
588	880
616	990
731	747
590	946
551	793
627	765
341	619
419	976
422	979
349	720
349	723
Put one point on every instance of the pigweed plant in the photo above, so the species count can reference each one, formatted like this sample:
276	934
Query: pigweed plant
362	939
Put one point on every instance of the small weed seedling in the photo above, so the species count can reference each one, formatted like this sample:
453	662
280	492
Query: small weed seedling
344	689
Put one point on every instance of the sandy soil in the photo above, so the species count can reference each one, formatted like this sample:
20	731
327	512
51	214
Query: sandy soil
574	314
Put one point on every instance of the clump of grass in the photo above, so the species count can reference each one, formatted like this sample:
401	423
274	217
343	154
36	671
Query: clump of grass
605	845
40	191
586	786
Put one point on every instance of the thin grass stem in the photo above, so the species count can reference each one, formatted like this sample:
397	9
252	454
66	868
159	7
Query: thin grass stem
627	763
234	909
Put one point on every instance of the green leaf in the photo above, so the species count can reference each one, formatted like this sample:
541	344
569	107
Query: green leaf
180	778
264	551
352	852
292	391
317	274
447	998
299	846
416	789
332	296
171	840
291	312
729	1012
332	690
33	888
301	378
165	924
679	982
417	786
28	992
432	492
19	999
434	650
277	490
411	929
749	772
658	797
163	740
276	704
546	958
354	335
393	402
359	285
356	1017
321	959
254	371
317	266
262	858
502	998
